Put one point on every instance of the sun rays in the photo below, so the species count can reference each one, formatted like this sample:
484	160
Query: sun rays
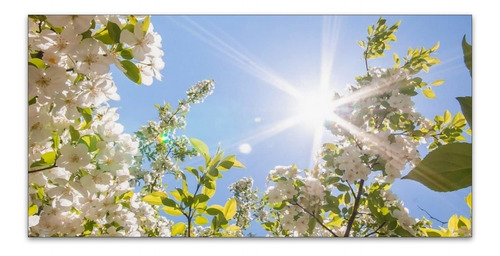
311	108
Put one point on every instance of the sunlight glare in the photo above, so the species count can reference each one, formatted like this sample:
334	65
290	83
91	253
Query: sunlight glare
314	108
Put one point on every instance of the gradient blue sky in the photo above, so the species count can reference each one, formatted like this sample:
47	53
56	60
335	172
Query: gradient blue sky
237	51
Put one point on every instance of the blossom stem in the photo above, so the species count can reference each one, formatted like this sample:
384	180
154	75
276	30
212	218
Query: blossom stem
355	209
42	169
320	222
376	230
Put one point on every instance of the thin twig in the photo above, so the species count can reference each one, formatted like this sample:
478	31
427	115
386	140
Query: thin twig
430	216
376	230
316	218
43	169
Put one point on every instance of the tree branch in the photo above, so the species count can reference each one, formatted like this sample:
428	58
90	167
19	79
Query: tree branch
312	215
376	230
355	209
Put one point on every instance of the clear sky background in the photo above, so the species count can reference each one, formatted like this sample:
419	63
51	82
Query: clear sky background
248	56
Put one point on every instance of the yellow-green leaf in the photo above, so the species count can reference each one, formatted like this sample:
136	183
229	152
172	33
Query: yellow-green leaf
464	221
230	208
468	200
438	82
32	210
435	47
453	222
215	210
176	195
447	116
154	199
425	67
458	120
208	191
429	93
233	228
447	168
370	30
200	220
237	164
172	211
178	228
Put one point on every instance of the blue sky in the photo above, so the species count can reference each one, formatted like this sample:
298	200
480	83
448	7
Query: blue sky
240	53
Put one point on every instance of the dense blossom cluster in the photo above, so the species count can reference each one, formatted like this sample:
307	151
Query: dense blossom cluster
79	157
246	199
375	134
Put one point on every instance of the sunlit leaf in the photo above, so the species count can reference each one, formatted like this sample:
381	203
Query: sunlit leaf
467	50
447	117
172	211
466	105
429	93
32	210
438	82
114	31
230	208
200	220
178	228
448	168
131	71
468	199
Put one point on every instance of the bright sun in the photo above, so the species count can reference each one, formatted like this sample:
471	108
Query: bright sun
314	108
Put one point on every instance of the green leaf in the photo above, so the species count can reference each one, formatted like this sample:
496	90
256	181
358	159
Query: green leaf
145	23
178	228
226	163
37	63
342	187
103	36
56	140
448	168
200	220
435	47
87	116
177	194
458	120
127	54
90	141
154	199
447	117
168	202
233	228
370	30
172	211
467	49
237	164
212	171
429	93
131	71
438	82
114	31
201	198
32	210
32	101
215	210
200	146
466	105
468	200
208	191
230	209
49	158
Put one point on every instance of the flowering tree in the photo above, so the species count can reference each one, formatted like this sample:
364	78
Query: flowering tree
88	178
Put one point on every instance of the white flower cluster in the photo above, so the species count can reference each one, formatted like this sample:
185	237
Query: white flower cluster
379	94
87	190
302	194
246	198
